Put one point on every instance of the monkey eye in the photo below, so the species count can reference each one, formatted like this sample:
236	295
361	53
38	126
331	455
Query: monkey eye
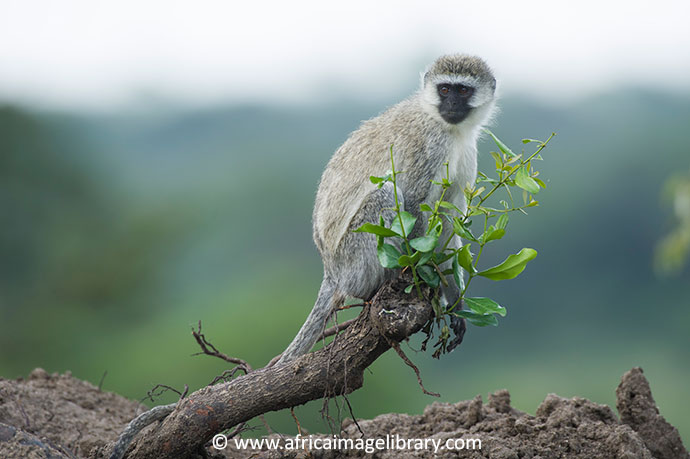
464	90
444	90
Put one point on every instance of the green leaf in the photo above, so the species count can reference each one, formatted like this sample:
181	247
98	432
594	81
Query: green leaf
493	181
425	258
425	208
511	267
500	144
511	160
376	229
425	243
540	182
436	306
436	227
435	223
458	275
478	210
440	257
502	221
485	306
408	223
461	230
409	288
493	234
407	260
465	259
451	206
480	320
531	140
498	160
524	181
429	275
388	256
380	181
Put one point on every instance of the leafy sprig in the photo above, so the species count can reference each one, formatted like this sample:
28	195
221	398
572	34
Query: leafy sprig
427	256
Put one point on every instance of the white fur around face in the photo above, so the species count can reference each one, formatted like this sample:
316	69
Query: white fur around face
462	151
462	163
462	166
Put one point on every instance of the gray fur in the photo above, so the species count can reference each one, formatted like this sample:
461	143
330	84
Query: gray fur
462	64
422	142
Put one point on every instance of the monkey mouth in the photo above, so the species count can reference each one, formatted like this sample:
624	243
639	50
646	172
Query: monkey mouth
454	117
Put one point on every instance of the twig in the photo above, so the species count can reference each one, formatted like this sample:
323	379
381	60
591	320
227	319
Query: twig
352	413
100	383
209	349
226	375
238	430
409	363
266	426
348	306
163	388
337	328
299	427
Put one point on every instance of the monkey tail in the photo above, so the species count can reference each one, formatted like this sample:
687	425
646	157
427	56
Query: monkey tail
314	325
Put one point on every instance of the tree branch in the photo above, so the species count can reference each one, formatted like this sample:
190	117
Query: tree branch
336	369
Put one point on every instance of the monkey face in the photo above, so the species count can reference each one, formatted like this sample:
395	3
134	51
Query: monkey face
454	106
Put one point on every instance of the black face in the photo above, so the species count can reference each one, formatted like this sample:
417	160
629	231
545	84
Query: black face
455	98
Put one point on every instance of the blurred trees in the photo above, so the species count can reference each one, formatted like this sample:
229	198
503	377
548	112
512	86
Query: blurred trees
69	252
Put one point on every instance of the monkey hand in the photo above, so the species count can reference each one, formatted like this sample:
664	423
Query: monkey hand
458	325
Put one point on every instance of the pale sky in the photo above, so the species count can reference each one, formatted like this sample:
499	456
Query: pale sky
104	54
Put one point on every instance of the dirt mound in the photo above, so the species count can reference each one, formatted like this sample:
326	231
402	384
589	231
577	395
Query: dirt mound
57	416
54	416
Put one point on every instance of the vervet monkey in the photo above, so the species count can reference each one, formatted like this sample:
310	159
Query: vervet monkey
438	124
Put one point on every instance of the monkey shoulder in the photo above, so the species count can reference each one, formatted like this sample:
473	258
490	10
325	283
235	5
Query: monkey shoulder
345	184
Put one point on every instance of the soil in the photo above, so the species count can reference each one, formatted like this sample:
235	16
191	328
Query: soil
58	416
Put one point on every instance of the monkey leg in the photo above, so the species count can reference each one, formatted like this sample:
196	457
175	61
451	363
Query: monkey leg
356	267
353	270
449	296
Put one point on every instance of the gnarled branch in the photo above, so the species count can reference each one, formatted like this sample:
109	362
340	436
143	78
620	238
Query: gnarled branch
336	369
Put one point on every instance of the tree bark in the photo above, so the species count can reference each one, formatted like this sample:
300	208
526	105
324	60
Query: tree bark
336	369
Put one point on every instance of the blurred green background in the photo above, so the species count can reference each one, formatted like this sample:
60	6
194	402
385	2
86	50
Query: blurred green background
121	230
